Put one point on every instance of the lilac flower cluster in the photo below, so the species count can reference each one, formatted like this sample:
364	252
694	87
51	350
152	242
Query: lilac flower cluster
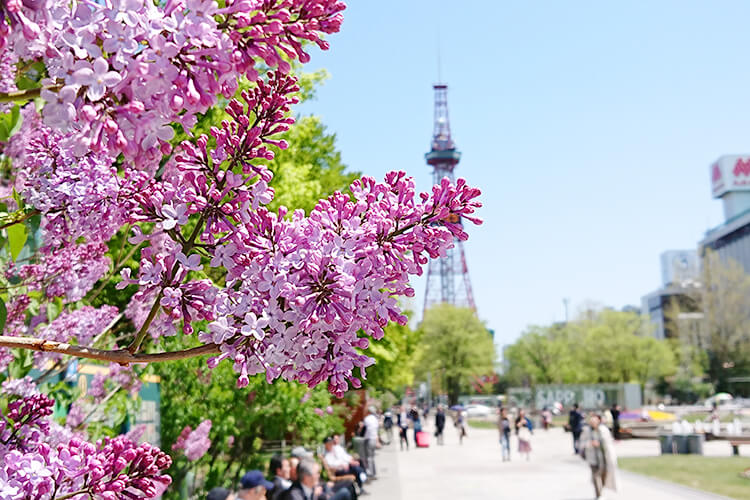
43	461
25	422
290	295
300	290
118	376
194	443
82	196
24	387
121	72
15	324
82	325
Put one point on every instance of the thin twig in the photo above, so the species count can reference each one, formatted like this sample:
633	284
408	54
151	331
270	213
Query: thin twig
101	403
121	356
24	95
11	220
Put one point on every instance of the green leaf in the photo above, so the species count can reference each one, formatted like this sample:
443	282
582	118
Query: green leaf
30	78
16	239
22	364
3	315
9	123
54	308
18	199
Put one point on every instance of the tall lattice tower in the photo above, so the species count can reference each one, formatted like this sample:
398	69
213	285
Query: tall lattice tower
448	276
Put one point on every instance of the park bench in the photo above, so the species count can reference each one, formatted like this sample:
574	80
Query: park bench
736	441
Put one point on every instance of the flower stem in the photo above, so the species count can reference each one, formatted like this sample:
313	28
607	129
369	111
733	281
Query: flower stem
23	95
121	356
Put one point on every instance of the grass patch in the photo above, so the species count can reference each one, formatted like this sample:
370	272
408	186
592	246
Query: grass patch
482	424
560	420
720	475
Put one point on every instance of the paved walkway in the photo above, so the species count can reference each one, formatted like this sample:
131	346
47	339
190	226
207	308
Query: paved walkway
475	470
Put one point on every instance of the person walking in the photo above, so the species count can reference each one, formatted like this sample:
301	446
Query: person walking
461	417
402	420
371	441
546	418
575	422
416	422
597	449
388	426
439	424
524	430
615	421
504	427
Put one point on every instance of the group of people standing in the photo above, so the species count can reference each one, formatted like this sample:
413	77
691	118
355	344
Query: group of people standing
413	418
523	428
406	420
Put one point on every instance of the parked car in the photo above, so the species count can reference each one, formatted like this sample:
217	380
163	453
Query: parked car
720	399
474	411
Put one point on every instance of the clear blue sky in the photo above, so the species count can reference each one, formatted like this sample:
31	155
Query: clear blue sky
589	126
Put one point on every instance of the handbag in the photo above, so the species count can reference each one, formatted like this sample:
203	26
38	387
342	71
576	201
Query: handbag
524	434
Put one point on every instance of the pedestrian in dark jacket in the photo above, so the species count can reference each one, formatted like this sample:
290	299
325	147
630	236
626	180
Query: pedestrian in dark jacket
575	422
439	424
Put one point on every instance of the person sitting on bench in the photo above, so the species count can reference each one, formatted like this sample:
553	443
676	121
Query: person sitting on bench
342	463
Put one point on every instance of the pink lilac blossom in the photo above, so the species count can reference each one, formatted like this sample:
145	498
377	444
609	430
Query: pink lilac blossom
25	422
197	443
69	272
76	416
24	387
96	389
119	376
15	324
15	149
81	196
7	76
179	443
298	294
136	433
81	324
122	75
125	377
41	459
298	291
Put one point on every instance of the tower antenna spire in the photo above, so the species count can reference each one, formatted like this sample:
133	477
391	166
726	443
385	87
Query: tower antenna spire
440	68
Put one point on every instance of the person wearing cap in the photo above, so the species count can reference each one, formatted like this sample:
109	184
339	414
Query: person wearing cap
220	494
253	486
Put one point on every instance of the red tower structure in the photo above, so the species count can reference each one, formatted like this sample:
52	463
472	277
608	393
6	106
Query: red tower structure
447	276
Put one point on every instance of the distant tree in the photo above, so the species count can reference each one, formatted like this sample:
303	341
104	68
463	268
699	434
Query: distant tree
313	168
395	356
721	328
457	347
539	356
599	346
